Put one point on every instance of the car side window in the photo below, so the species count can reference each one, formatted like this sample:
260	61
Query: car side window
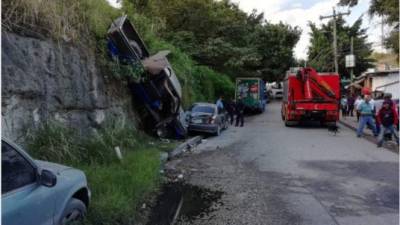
16	170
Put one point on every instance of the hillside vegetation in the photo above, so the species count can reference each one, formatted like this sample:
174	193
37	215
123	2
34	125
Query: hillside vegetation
211	43
84	23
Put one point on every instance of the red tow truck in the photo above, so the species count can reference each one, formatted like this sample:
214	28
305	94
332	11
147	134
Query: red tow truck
310	96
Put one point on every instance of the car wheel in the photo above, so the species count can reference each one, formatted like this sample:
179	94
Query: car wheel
74	212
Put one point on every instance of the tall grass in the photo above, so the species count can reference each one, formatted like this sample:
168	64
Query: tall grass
117	186
68	20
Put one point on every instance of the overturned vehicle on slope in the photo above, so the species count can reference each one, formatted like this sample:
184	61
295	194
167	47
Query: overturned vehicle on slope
157	88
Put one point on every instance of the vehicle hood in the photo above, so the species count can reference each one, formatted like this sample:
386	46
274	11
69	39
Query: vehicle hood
54	167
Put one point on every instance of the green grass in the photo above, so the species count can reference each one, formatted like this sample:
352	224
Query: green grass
117	186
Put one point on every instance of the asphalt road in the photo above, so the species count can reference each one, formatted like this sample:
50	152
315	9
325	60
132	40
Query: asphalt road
272	174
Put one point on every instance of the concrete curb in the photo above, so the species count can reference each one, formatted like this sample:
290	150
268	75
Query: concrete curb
348	125
185	146
368	137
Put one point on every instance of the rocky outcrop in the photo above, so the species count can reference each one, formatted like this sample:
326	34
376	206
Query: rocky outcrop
43	80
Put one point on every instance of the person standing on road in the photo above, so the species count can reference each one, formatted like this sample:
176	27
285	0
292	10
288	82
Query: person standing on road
356	104
239	112
343	104
387	119
393	104
220	104
388	97
350	105
230	108
366	110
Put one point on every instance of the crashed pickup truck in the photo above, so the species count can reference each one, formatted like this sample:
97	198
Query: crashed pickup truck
157	87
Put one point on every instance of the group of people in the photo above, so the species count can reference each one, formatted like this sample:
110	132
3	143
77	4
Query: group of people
381	122
232	108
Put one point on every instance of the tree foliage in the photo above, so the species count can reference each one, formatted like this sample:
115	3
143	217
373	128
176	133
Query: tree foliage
320	52
389	10
219	35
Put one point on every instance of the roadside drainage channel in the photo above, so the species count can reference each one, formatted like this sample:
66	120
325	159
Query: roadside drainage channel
182	202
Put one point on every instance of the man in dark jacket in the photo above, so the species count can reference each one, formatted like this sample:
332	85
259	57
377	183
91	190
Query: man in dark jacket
387	119
239	112
230	108
350	105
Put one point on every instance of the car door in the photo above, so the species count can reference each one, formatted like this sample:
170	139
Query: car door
24	200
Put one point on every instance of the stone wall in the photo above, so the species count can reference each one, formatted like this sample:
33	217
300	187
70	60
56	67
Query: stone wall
43	80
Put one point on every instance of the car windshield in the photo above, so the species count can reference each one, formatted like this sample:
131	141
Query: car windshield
203	109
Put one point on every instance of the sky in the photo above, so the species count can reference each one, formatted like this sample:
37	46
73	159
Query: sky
299	12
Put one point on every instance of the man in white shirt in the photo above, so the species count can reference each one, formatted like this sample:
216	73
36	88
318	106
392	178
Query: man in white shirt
219	103
356	104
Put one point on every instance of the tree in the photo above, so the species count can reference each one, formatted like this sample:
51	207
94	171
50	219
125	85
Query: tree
220	35
320	52
389	10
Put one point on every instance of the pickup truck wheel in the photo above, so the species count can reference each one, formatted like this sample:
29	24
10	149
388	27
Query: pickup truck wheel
74	212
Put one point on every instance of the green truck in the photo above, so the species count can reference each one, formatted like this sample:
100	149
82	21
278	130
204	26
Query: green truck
252	92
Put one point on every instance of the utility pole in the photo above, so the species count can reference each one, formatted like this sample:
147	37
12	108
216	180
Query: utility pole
351	53
334	16
382	36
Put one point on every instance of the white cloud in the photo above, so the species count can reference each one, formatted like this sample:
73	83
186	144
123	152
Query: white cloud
296	5
268	6
296	15
301	17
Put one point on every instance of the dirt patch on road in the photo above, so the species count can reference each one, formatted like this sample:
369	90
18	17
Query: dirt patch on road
250	197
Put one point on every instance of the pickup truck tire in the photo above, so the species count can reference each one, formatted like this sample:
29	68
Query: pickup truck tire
73	212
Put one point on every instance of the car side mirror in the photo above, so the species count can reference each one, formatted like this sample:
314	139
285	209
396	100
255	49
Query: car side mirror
48	178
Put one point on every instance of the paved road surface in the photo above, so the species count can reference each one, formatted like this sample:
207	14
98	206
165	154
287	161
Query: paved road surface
272	174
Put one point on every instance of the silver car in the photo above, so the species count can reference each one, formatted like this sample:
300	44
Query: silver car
36	192
205	117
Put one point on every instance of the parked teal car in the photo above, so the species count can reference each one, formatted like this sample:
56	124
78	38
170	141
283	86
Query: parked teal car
36	192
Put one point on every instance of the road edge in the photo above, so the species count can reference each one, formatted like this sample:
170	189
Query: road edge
368	137
185	146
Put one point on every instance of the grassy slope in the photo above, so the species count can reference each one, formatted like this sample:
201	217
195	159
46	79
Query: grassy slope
117	186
